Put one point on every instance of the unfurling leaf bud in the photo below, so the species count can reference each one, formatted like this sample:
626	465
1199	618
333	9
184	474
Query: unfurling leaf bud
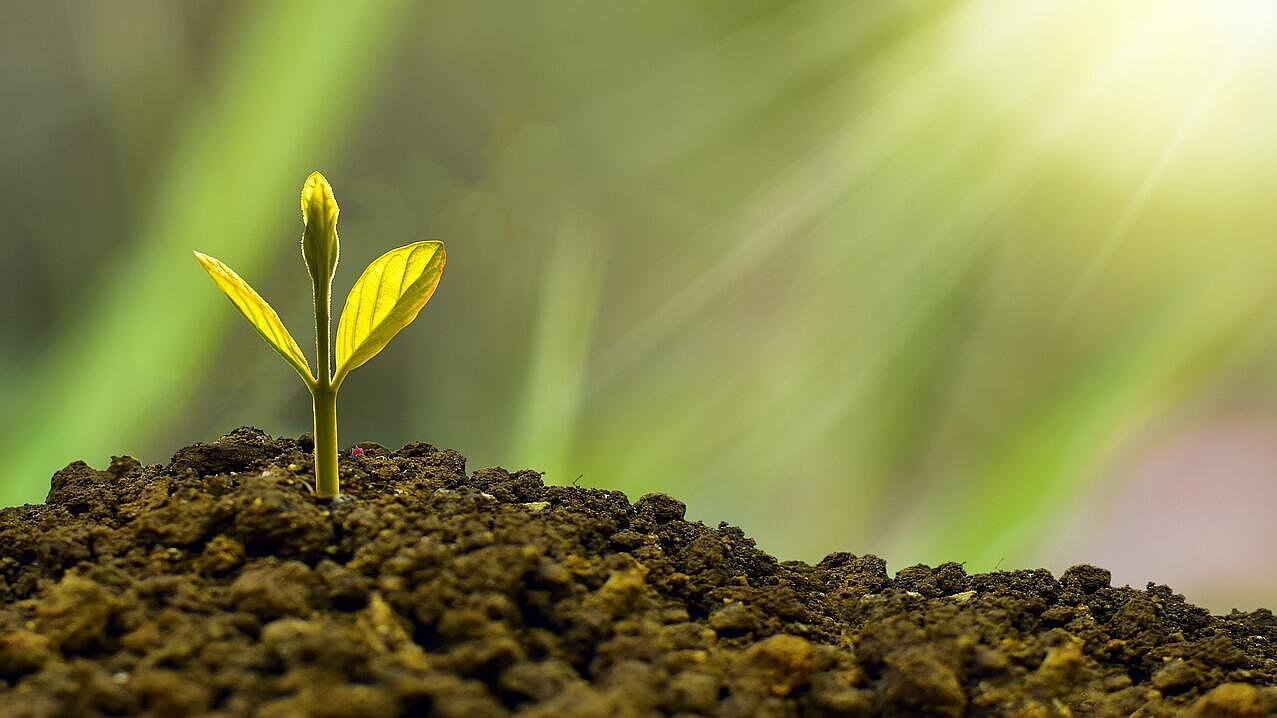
319	239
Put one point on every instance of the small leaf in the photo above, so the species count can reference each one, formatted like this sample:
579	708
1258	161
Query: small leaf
387	297
319	240
258	313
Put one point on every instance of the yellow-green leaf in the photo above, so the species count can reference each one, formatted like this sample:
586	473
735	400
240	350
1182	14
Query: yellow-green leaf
387	297
319	240
258	313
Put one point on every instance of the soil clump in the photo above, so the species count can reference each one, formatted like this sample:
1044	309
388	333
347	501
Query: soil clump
218	585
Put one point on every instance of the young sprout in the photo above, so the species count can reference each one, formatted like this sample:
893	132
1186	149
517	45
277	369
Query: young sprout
387	297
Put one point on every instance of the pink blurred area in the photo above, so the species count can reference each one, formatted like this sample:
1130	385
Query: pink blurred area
1194	508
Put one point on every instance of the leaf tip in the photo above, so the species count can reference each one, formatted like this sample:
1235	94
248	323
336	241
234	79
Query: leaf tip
318	202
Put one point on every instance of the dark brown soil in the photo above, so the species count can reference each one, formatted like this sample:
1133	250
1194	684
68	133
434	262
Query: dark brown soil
218	585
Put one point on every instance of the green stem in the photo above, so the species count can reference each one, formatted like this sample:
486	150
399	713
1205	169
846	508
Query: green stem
324	394
326	485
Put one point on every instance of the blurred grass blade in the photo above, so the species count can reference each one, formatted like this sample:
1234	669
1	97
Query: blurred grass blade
999	505
548	422
275	107
388	296
258	313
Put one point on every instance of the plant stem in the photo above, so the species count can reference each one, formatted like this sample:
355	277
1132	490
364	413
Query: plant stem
324	394
325	399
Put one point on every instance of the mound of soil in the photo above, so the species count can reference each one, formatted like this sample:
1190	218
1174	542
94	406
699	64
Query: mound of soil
219	586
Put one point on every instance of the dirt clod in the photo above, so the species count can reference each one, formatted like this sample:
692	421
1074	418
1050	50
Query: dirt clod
219	586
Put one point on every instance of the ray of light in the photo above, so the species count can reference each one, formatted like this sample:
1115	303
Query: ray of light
1157	171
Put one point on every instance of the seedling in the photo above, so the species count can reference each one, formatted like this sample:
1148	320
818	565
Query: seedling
388	296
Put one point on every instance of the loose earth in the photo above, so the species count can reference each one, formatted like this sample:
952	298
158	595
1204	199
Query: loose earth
218	585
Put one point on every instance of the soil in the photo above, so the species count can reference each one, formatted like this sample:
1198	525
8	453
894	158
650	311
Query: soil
218	585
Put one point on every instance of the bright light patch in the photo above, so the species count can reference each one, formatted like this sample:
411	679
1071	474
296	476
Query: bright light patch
1122	87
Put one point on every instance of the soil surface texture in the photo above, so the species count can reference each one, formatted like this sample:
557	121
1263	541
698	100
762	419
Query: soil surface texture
218	585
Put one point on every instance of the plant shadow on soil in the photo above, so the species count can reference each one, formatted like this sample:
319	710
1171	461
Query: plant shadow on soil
218	585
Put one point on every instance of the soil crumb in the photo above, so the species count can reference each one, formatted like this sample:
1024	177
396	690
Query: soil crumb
218	585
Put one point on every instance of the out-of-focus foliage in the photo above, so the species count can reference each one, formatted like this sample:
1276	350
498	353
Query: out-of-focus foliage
895	276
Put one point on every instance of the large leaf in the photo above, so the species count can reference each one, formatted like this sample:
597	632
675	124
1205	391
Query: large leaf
258	313
387	297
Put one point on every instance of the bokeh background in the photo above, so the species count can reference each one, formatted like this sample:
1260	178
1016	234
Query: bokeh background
989	281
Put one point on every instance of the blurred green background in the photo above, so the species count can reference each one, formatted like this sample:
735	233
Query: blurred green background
987	281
